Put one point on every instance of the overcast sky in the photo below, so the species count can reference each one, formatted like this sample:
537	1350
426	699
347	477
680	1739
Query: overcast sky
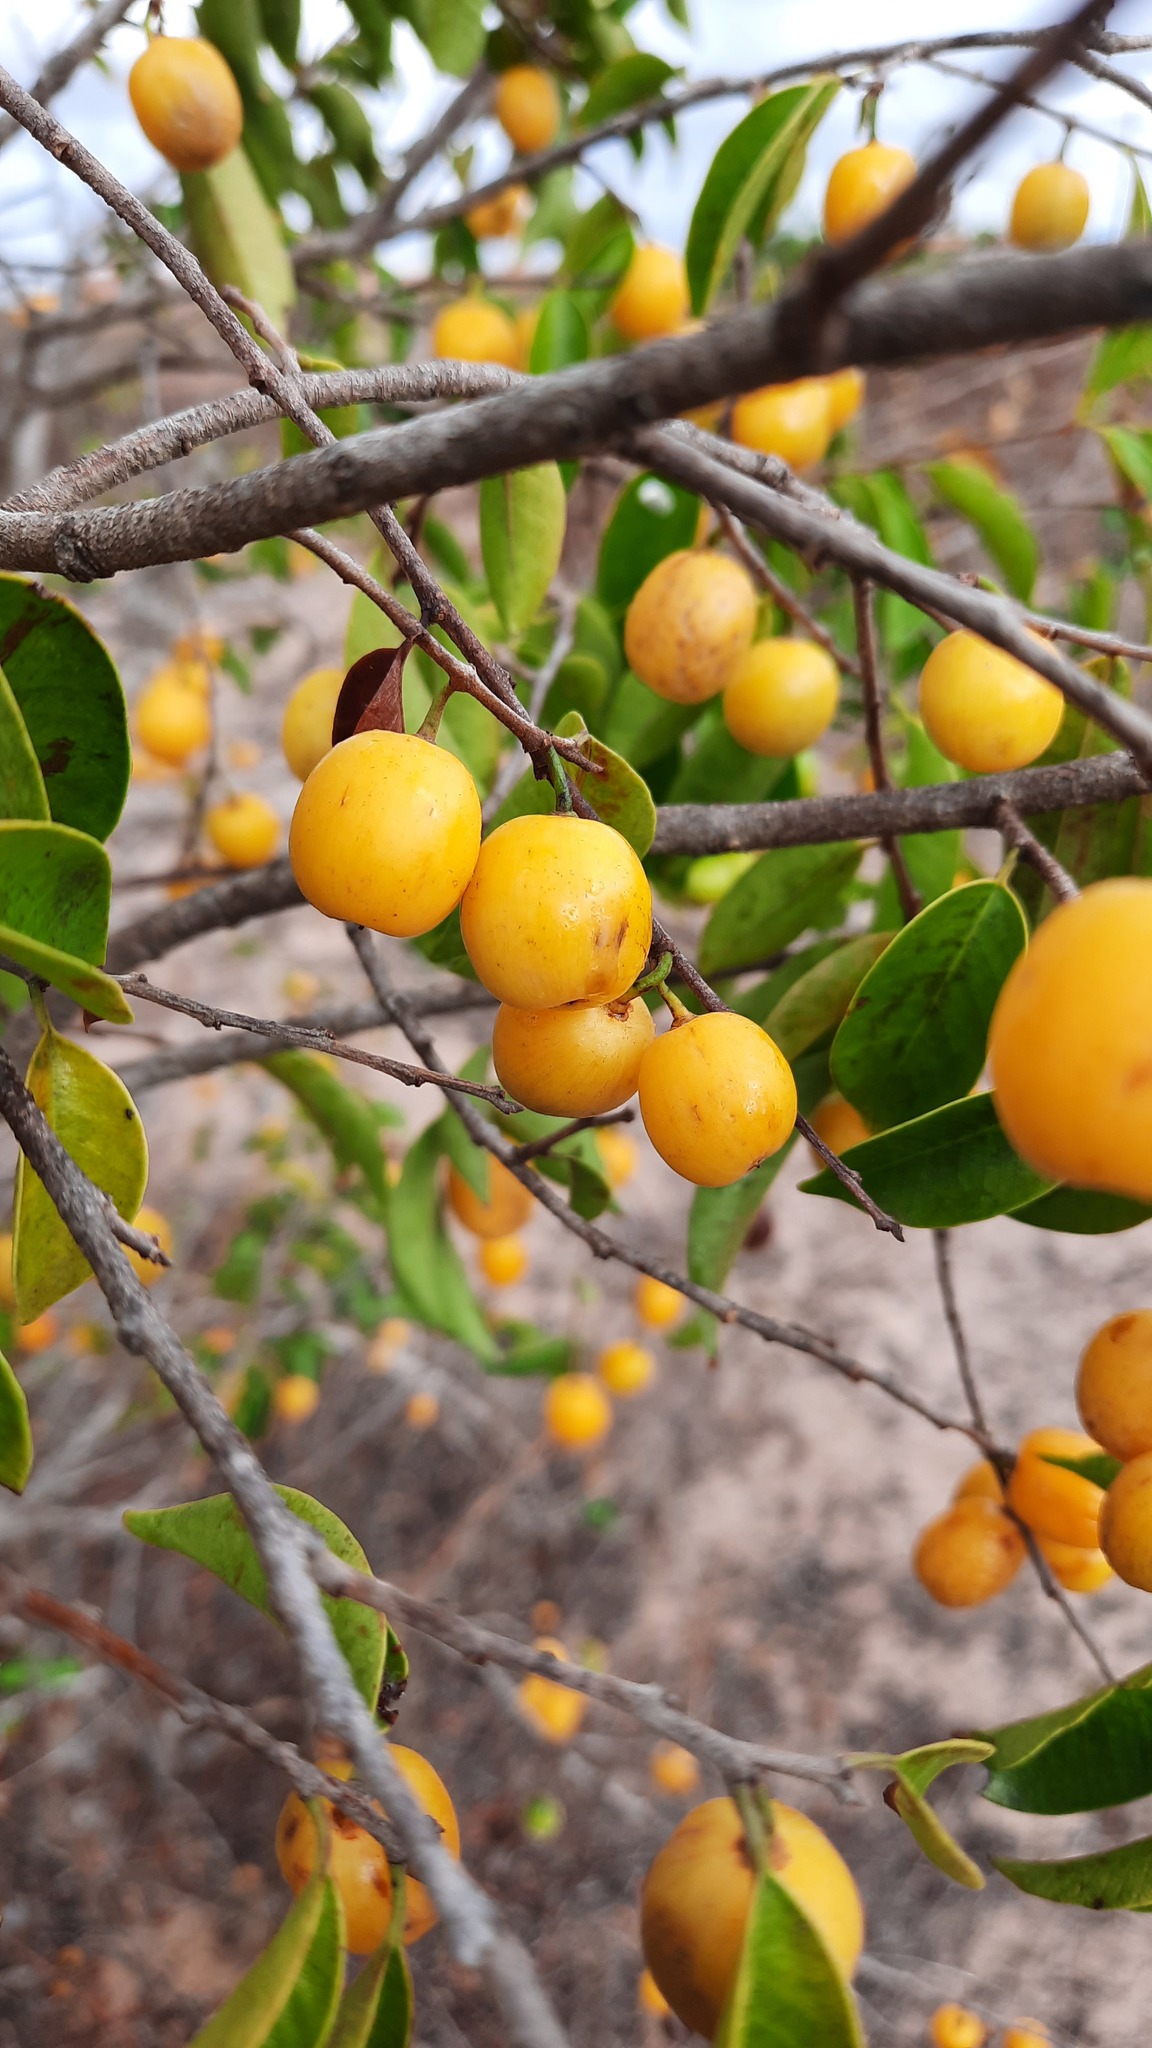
43	212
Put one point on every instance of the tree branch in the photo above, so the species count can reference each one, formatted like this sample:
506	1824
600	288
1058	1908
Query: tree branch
66	62
1015	833
874	734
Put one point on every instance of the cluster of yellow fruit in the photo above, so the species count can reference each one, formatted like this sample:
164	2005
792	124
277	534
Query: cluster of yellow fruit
173	723
496	1221
956	2026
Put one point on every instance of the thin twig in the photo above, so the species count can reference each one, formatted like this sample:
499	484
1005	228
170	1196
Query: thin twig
1016	833
781	594
942	1253
873	705
538	1148
850	1179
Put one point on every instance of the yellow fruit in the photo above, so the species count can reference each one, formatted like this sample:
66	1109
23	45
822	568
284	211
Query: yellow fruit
953	2026
503	1261
386	832
527	106
40	1333
1026	2034
1126	1523
306	729
1114	1385
390	1338
503	215
1078	1571
839	1125
674	1770
1050	210
781	696
507	1208
295	1397
218	1339
172	720
696	1896
968	1554
7	1297
653	295
1050	1500
793	421
186	101
1069	1042
581	1060
656	1303
863	184
357	1863
199	647
846	392
689	623
984	709
617	1156
244	829
473	330
558	911
555	1711
717	1096
157	1226
649	1997
980	1482
577	1411
422	1411
625	1368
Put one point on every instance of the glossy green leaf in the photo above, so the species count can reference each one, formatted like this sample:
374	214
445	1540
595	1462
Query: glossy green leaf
55	887
560	336
579	684
1096	1752
912	1774
1131	451
599	245
642	725
22	791
1083	1212
635	77
621	796
72	703
99	1126
916	1031
789	890
719	1218
1110	1881
377	2010
238	237
1127	351
788	1989
1098	1466
651	519
289	1997
454	33
522	521
15	1431
952	1166
751	179
932	858
426	1266
345	1118
213	1533
349	126
90	987
720	770
815	1003
998	518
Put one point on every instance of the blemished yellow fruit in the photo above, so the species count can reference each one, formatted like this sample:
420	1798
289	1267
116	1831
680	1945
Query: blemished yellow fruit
954	2026
358	1864
1026	2034
306	728
559	910
156	1225
863	184
617	1156
696	1896
984	709
580	1060
386	832
503	1260
40	1333
626	1368
422	1411
1078	1571
577	1411
840	1125
657	1304
172	720
650	1998
473	330
506	1209
717	1096
847	390
296	1397
505	214
555	1711
1126	1523
689	623
1114	1385
980	1482
187	101
968	1554
1069	1042
527	106
244	829
7	1296
1049	1499
793	421
1050	209
674	1770
653	295
781	697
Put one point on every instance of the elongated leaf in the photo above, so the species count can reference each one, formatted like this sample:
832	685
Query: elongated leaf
213	1533
1112	1880
1127	351
998	518
72	703
522	521
575	1163
788	1990
22	791
719	1218
816	1002
94	990
952	1166
453	31
599	245
1098	1466
288	1998
377	2010
788	891
1096	1752
882	500
751	179
561	334
1083	1212
912	1774
637	76
238	237
426	1266
1092	841
641	725
651	519
932	858
622	798
1131	451
15	1431
98	1124
720	770
350	1126
55	888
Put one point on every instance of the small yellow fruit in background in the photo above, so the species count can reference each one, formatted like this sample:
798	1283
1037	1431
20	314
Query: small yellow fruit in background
558	910
953	2026
626	1368
969	1554
554	1710
357	1863
503	1260
172	720
577	1411
1026	2034
653	295
781	697
1114	1385
674	1770
7	1296
306	728
390	1338
1050	210
617	1156
793	421
40	1333
218	1339
199	646
473	330
525	324
1126	1523
506	1208
847	390
980	1482
295	1397
187	101
579	1060
839	1125
505	214
1049	1499
863	184
650	1998
689	623
244	829
717	1096
157	1226
527	106
984	709
422	1411
1077	1570
656	1303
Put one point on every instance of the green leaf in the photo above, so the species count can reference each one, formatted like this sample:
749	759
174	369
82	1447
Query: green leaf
345	1118
651	519
751	179
1131	451
237	236
631	79
1096	1752
789	890
621	796
1110	1881
882	500
916	1031
1093	841
15	1431
55	887
912	1774
932	858
280	20
377	2010
720	770
600	243
1127	351
288	1998
522	522
560	336
72	703
952	1166
1083	1212
94	990
426	1266
22	791
1098	1466
788	1989
349	126
815	1002
580	684
99	1126
454	33
719	1218
344	420
998	518
642	725
575	1163
213	1533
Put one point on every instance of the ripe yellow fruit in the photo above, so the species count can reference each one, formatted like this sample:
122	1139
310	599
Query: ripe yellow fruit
953	2026
695	1900
503	1261
1078	1571
172	720
503	215
296	1397
157	1226
653	296
689	623
581	1060
1026	2034
555	1711
839	1125
507	1208
40	1333
386	832
650	1998
968	1554
1114	1385
1126	1523
559	910
197	649
527	106
1050	210
625	1368
717	1096
306	729
473	330
656	1303
617	1156
781	696
846	393
7	1296
980	1482
244	829
984	709
793	421
422	1411
358	1865
577	1411
1052	1501
674	1770
1069	1042
186	101
863	184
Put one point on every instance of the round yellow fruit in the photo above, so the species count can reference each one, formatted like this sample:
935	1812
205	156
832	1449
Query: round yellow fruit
306	729
626	1368
422	1411
863	184
504	214
1050	210
689	623
559	910
839	1125
984	709
386	832
650	1998
781	696
717	1096
187	101
846	393
577	1411
653	295
357	1863
953	2026
1114	1385
172	720
527	107
968	1554
40	1333
244	829
156	1225
1051	1500
7	1296
503	1261
473	330
674	1770
555	1711
507	1208
656	1303
793	421
296	1397
617	1156
1026	2034
696	1896
980	1482
1078	1571
581	1060
1126	1523
1069	1042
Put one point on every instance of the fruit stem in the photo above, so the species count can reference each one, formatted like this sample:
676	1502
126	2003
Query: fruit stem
680	1014
37	996
755	1810
399	1876
434	714
560	784
869	106
654	978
